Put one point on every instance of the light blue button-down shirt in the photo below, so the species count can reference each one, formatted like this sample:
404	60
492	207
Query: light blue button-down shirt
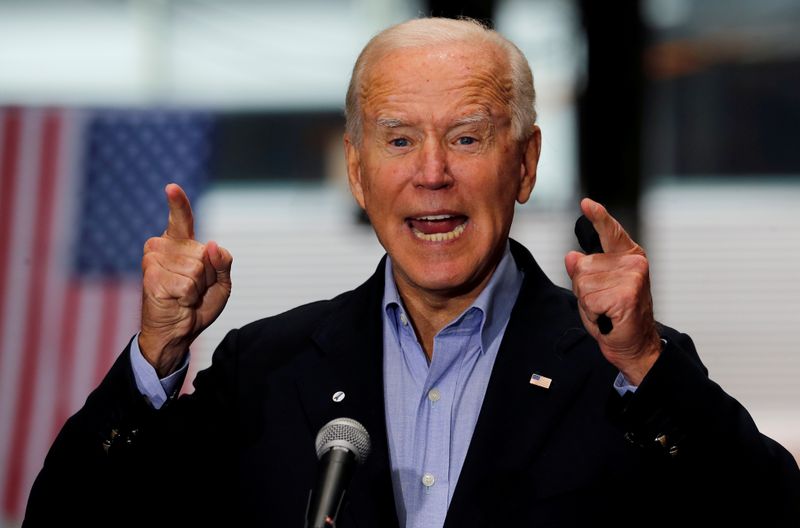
431	409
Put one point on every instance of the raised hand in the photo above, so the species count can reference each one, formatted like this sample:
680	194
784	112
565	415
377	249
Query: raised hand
185	286
616	283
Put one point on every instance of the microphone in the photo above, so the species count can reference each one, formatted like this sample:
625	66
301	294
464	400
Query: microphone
341	444
590	243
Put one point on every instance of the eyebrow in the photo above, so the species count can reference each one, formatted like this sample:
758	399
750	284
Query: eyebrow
390	122
480	117
393	122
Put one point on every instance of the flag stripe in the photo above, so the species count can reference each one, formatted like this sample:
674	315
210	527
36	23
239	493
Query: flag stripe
36	293
16	301
8	169
83	371
130	310
66	359
107	349
66	318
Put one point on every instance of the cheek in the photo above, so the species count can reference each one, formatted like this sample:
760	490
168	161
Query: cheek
392	175
497	194
382	187
491	179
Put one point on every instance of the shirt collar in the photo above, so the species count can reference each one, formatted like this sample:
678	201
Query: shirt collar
495	302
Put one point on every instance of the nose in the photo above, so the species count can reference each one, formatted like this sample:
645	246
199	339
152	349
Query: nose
433	172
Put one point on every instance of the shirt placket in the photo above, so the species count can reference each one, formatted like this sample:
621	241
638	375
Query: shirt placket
435	414
429	448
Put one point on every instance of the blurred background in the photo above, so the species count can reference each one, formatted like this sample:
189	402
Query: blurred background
681	115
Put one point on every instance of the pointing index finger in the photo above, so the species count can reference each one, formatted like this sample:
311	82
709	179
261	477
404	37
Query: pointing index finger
613	236
181	221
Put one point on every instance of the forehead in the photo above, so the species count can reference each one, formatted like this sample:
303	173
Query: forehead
439	81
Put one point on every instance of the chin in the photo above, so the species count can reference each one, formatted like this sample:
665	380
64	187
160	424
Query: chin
443	278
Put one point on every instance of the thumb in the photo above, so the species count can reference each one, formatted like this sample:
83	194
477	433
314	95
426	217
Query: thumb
221	260
571	262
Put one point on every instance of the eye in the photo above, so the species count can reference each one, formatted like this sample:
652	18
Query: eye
399	142
466	140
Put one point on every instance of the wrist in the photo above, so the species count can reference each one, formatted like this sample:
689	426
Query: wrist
637	368
165	356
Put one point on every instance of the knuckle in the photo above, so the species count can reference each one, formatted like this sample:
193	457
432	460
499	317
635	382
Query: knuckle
640	260
183	286
151	244
149	261
583	305
579	287
576	289
642	280
583	265
589	304
152	279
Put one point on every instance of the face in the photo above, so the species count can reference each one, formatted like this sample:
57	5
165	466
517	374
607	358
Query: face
437	169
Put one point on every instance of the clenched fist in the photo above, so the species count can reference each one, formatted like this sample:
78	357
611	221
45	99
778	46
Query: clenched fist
616	283
186	285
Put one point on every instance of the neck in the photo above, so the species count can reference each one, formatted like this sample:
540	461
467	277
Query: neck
431	311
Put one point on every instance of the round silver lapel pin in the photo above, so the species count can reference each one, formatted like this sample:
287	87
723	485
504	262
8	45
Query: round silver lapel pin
338	396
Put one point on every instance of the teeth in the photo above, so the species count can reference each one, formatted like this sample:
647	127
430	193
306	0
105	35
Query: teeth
435	217
440	237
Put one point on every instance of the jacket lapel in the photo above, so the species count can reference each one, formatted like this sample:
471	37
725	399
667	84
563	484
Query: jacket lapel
516	415
351	346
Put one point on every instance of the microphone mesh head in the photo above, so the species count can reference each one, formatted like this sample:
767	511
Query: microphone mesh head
344	433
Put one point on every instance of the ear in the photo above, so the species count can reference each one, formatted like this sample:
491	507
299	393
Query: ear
353	161
530	160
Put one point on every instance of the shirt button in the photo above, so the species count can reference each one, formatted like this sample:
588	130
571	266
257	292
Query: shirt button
434	395
428	480
404	319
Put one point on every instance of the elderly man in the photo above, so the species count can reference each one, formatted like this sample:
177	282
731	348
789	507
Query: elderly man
491	396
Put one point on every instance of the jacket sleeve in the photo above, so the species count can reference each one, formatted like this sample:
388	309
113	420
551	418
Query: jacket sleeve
119	461
704	446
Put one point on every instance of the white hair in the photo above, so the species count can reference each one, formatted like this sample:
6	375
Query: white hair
432	31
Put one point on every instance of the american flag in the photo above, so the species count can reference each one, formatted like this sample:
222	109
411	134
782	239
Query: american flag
540	381
80	192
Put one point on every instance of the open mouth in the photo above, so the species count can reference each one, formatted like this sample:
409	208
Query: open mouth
438	228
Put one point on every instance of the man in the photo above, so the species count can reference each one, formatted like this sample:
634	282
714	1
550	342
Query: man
491	395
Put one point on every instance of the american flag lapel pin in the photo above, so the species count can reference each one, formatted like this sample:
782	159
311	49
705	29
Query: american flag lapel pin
540	381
